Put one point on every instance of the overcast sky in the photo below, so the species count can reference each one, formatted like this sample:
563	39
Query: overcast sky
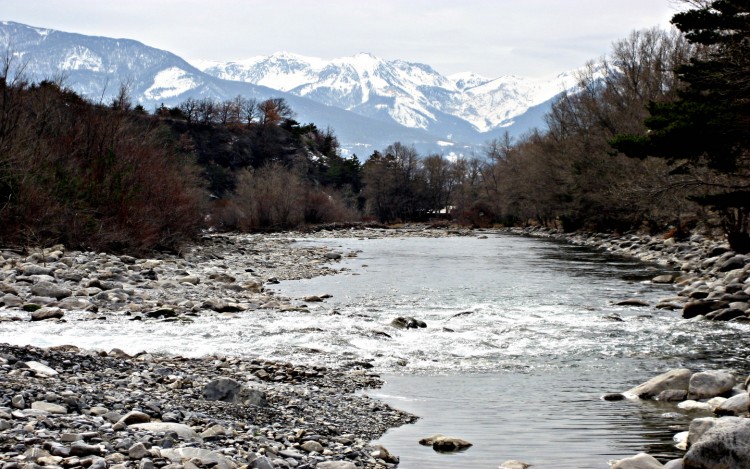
534	38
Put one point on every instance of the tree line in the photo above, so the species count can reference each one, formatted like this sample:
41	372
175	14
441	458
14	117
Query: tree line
654	136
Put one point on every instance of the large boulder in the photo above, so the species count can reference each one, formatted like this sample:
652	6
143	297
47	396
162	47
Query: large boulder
407	322
50	290
702	307
734	262
639	461
723	446
735	405
708	384
674	379
229	390
445	444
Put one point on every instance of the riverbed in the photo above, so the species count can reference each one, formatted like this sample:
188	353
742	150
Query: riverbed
523	337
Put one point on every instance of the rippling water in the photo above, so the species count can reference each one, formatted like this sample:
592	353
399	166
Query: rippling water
517	352
518	349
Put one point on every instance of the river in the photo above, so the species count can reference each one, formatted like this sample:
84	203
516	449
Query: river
520	345
523	337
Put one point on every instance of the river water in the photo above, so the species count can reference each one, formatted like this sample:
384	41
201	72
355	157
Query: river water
519	348
519	345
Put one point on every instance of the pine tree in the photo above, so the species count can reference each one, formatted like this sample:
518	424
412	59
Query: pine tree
706	132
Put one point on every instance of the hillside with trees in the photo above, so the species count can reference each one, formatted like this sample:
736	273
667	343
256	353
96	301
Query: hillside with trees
655	136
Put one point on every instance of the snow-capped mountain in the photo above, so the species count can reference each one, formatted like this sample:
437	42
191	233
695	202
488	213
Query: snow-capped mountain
369	102
412	94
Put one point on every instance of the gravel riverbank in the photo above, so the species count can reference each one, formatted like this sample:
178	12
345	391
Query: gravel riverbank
66	407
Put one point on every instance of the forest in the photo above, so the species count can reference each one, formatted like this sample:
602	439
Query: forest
654	137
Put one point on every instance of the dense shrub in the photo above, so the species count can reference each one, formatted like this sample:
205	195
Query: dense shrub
90	176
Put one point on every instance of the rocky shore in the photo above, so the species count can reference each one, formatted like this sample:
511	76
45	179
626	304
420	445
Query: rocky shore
712	284
65	407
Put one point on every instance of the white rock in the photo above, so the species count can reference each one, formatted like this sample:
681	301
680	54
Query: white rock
639	461
41	369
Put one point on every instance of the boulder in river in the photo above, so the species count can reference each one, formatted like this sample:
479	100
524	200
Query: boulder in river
45	313
708	384
674	379
408	322
735	405
639	461
723	445
445	444
666	278
702	307
513	464
632	302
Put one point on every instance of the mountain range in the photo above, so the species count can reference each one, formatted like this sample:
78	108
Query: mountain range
368	101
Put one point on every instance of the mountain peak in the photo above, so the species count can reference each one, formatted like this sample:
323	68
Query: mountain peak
363	97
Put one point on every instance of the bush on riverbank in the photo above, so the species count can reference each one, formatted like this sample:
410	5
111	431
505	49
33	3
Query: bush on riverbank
115	178
90	176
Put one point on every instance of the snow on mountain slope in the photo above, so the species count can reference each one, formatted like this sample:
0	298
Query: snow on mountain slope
96	66
412	94
368	101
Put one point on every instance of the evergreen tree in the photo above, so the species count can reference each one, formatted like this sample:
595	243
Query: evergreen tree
705	133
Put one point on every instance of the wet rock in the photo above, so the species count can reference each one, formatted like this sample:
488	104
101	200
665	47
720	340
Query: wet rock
383	454
613	397
445	444
639	461
723	445
667	278
402	322
672	395
77	304
11	300
222	306
735	405
161	313
633	302
43	314
701	308
726	314
708	384
514	464
674	379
